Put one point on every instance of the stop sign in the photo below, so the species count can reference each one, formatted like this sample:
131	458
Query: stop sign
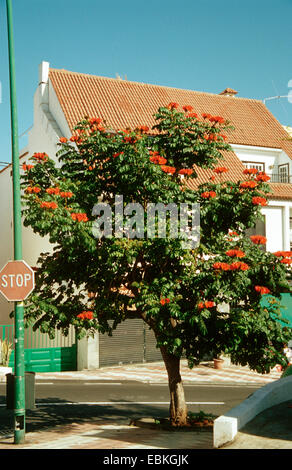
16	281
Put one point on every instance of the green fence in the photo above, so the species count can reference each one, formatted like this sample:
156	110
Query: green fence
42	354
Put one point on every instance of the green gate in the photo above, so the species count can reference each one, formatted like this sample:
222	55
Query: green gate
41	354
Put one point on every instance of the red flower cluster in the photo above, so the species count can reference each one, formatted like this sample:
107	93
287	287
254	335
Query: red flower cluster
95	121
262	290
286	261
262	177
211	137
238	265
187	108
66	194
206	304
283	253
248	184
156	158
81	217
235	253
192	115
53	191
40	157
221	266
33	189
143	129
221	169
164	301
208	194
85	315
168	169
117	154
75	138
130	140
259	201
186	171
250	171
49	205
258	239
216	119
172	105
27	167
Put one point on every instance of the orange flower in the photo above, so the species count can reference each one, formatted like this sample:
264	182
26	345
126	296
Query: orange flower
74	138
164	301
186	171
33	189
158	159
192	115
235	253
63	140
117	154
220	170
259	201
221	266
206	116
262	177
283	253
187	108
248	184
66	194
27	167
172	105
262	289
258	239
168	169
208	194
238	265
250	171
53	190
80	217
286	261
85	315
40	157
49	205
218	119
206	304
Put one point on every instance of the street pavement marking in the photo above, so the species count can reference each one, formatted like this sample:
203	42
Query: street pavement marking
128	403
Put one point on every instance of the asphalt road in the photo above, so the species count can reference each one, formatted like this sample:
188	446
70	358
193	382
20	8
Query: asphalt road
127	397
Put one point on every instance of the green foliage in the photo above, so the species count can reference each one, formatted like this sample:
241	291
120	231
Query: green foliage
287	372
96	283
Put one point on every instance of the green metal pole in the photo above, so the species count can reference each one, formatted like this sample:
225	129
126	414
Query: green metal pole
19	372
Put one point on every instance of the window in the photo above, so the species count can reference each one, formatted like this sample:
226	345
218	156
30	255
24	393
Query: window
284	173
256	165
258	229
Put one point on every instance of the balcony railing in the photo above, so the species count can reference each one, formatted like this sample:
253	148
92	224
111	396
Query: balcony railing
279	178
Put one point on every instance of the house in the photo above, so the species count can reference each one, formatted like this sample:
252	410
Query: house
62	98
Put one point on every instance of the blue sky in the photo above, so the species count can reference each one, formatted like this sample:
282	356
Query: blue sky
202	45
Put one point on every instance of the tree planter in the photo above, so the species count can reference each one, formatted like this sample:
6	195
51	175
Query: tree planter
218	363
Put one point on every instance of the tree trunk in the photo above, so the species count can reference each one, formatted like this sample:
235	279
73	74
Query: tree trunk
178	408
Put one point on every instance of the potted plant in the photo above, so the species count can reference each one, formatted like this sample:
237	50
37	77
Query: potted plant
218	362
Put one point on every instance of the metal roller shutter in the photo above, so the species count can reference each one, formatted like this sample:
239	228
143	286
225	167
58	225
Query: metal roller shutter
131	342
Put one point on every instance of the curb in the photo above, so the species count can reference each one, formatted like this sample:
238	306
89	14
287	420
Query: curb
227	426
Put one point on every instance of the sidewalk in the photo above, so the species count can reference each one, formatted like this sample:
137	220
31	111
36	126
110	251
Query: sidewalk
269	430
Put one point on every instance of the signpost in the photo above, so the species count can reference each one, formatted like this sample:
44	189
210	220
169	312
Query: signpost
19	389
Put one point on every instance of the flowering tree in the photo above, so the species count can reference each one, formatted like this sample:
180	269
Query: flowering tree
95	282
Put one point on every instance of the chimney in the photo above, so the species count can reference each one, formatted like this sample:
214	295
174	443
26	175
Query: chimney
228	92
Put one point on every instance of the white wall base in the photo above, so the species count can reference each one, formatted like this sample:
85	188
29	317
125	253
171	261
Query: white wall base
88	353
227	426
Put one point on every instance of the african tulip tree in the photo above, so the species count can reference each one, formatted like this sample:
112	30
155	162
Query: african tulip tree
95	282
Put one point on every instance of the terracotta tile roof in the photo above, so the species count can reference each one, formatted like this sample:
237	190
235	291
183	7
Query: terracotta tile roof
124	104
